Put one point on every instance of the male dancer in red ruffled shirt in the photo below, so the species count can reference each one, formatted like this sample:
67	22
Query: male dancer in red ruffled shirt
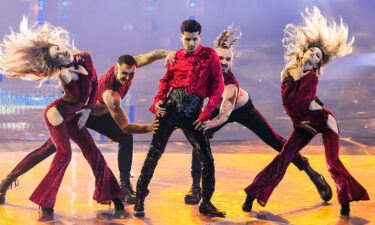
195	75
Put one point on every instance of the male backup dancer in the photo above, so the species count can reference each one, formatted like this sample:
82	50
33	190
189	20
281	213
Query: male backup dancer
237	106
107	118
195	75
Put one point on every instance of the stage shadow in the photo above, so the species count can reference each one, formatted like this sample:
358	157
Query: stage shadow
348	220
302	210
110	215
267	216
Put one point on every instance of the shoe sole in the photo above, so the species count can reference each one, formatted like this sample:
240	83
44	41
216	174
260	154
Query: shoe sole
212	215
328	190
139	214
191	201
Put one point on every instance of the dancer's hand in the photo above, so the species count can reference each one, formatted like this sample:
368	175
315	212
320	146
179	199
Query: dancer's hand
160	111
154	126
305	125
210	124
80	70
85	113
198	125
171	58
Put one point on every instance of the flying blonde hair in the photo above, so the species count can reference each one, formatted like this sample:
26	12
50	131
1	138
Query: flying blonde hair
25	54
317	31
222	41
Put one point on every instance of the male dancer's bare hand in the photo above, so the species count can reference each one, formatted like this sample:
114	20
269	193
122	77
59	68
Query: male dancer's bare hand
85	113
171	58
198	125
210	124
160	111
154	126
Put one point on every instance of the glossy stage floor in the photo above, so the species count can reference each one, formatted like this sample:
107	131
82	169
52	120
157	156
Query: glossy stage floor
295	201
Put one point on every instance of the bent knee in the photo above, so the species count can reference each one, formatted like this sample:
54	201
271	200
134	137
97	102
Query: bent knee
54	117
332	124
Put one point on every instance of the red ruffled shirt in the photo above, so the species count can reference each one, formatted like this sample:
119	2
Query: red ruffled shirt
200	72
108	82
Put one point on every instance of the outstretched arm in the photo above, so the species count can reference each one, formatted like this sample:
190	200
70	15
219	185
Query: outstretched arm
112	100
145	59
230	95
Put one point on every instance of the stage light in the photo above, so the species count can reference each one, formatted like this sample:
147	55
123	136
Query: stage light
64	17
154	25
191	17
149	9
40	11
193	3
65	3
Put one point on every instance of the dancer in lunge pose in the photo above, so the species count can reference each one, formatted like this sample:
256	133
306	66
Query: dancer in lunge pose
46	52
107	118
309	47
195	75
236	106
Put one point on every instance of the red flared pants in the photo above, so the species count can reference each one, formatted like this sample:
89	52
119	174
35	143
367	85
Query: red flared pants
106	186
348	189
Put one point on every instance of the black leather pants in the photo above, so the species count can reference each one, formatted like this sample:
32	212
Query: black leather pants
182	111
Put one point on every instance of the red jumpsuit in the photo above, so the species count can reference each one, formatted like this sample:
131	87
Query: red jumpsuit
297	96
85	91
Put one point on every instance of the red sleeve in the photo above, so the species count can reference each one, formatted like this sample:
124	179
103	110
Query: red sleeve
287	90
164	87
92	78
215	88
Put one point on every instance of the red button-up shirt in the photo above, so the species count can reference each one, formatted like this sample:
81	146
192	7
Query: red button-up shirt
200	72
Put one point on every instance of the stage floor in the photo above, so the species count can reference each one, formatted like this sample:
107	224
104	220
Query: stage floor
295	201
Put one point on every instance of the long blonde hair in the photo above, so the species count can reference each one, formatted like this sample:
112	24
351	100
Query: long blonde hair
317	31
25	54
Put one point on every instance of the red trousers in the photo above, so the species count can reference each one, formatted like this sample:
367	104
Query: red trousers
106	186
348	189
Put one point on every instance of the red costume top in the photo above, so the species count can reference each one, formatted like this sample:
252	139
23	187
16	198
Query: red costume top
230	79
296	98
85	88
109	82
200	72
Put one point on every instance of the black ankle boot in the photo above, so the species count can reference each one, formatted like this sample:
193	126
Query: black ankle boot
208	209
247	206
193	196
321	184
139	206
118	204
128	194
345	209
5	185
46	214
